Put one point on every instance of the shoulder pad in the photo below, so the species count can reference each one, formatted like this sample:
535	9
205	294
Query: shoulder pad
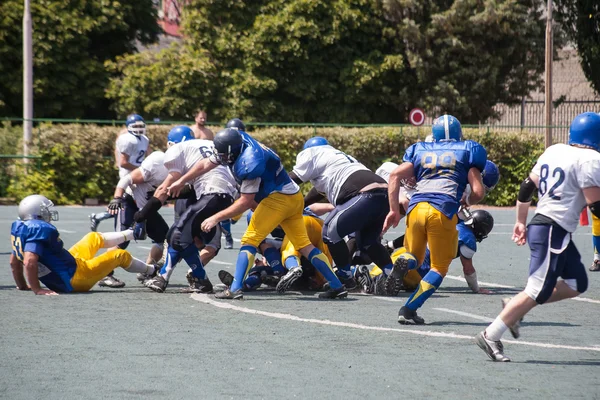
250	164
39	230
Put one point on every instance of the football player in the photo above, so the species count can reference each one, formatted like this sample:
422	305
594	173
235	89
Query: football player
361	203
276	199
38	251
212	192
566	178
442	169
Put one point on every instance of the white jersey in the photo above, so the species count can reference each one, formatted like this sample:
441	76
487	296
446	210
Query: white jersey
408	185
327	168
154	173
564	171
135	147
183	156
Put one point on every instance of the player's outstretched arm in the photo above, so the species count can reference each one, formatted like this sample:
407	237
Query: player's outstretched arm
135	177
31	272
201	167
17	272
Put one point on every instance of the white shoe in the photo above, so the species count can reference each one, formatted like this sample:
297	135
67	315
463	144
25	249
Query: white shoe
494	349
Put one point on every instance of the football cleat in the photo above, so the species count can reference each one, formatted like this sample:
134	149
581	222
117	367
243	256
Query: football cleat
515	329
288	279
157	284
595	266
95	220
406	316
339	293
270	280
227	294
380	285
494	349
392	286
197	285
111	282
225	277
363	277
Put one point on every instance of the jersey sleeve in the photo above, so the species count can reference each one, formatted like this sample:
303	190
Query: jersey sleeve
477	157
536	170
174	160
589	174
250	186
305	167
125	146
409	154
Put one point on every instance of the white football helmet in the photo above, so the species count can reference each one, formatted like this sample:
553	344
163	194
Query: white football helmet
37	207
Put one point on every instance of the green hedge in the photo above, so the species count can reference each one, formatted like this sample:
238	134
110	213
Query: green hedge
78	160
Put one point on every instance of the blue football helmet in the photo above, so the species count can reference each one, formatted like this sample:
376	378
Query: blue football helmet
179	134
490	175
136	125
585	130
315	141
228	145
446	128
236	123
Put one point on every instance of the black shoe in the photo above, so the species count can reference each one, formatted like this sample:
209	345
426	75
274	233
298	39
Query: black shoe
197	285
288	279
111	282
363	277
225	277
227	294
406	316
158	284
349	283
334	293
270	280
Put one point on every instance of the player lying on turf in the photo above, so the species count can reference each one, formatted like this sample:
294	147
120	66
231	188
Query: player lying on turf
470	233
212	192
566	178
276	199
38	251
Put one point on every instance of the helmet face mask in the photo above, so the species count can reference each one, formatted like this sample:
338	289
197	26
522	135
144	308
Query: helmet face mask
37	207
136	125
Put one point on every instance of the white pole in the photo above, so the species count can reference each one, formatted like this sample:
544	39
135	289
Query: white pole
548	86
27	79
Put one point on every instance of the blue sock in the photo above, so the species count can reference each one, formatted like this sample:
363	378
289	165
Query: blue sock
321	263
192	258
172	258
291	262
244	262
226	226
427	287
273	257
596	243
344	272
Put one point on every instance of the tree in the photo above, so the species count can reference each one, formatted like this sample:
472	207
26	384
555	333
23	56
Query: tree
580	20
360	61
71	41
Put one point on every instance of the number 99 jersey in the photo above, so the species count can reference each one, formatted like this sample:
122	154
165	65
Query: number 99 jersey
563	171
442	169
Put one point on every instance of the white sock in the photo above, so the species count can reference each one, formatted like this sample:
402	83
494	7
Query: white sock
139	266
596	256
112	239
496	330
472	282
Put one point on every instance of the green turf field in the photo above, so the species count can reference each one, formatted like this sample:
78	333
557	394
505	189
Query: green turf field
134	343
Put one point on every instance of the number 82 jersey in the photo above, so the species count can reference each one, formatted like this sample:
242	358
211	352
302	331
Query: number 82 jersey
563	172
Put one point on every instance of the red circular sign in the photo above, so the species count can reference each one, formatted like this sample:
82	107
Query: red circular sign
416	117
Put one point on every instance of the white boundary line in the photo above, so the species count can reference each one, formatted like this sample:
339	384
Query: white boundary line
213	261
203	298
466	314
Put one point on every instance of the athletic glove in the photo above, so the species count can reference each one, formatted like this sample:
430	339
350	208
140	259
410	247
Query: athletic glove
116	204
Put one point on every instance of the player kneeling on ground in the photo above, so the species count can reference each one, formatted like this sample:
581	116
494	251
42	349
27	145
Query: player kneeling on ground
38	250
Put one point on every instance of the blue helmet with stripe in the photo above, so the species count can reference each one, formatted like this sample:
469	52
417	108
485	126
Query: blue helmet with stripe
585	130
136	125
446	128
490	175
315	141
179	134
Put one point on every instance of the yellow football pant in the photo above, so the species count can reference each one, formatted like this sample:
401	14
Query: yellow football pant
411	279
278	209
427	225
91	269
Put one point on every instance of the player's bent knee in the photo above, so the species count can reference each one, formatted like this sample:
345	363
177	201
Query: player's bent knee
440	270
124	258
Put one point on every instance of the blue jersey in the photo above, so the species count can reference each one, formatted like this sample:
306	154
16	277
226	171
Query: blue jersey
441	170
56	266
258	161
